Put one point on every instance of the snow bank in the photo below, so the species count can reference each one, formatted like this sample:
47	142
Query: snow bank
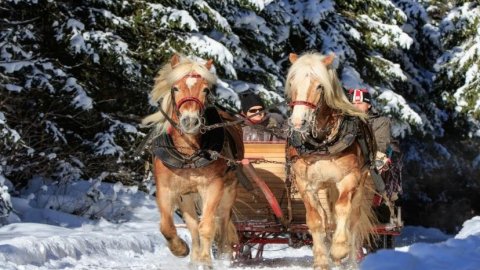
459	253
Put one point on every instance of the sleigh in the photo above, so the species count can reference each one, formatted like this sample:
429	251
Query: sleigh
273	212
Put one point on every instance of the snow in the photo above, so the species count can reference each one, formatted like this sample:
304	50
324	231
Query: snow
43	237
251	21
52	128
218	18
396	103
107	14
10	67
181	16
459	253
385	34
5	131
260	4
317	11
105	144
13	87
351	78
204	45
81	100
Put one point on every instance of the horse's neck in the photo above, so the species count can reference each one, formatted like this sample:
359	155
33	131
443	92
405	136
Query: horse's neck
185	143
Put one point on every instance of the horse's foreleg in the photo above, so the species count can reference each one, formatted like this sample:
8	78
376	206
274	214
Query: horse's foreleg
187	206
317	229
165	202
341	245
211	196
316	226
226	235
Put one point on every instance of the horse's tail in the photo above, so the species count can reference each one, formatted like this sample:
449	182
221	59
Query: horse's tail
363	223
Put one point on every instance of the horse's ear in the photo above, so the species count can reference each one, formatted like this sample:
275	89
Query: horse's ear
175	60
209	64
292	57
328	60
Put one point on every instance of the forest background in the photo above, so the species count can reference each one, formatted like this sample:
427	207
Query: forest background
75	77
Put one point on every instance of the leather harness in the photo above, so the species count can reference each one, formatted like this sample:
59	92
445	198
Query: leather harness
211	140
351	128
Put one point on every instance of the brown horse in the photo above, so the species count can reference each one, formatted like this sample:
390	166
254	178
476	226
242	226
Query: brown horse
183	164
328	161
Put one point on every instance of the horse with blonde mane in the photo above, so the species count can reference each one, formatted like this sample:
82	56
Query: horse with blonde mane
329	147
184	164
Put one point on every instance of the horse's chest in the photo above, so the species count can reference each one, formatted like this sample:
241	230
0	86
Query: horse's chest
318	171
191	180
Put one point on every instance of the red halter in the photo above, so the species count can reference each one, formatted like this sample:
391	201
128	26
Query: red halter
188	99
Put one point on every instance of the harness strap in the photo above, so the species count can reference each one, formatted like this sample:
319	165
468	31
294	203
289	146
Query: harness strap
345	137
170	120
213	140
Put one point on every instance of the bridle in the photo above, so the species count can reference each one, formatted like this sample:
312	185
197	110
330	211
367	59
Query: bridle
304	103
312	106
309	104
182	101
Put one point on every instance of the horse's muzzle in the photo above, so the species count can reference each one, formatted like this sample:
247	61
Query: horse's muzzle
302	126
190	124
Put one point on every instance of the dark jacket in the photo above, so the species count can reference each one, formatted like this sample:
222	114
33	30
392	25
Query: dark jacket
259	132
381	130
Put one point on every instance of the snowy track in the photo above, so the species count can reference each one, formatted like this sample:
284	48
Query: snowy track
47	239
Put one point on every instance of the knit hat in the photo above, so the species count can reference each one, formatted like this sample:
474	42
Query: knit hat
359	95
249	99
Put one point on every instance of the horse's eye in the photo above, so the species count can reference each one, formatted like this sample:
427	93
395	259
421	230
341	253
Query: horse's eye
174	89
206	90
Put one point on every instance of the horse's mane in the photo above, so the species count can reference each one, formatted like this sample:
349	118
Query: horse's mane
165	79
312	64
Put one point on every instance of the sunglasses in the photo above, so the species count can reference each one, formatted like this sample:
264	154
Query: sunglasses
255	110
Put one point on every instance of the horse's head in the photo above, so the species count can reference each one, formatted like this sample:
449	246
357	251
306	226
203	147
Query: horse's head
183	89
307	81
313	88
190	94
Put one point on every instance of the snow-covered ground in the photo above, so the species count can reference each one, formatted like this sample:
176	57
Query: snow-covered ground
49	239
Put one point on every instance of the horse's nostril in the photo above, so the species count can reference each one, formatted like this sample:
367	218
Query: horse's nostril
189	124
195	122
290	122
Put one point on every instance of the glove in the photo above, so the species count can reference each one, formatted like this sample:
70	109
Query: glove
272	123
382	162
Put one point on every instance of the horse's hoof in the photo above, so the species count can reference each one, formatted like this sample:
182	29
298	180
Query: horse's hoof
179	248
321	267
199	266
339	251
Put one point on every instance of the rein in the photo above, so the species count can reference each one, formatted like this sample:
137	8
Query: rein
310	105
242	119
